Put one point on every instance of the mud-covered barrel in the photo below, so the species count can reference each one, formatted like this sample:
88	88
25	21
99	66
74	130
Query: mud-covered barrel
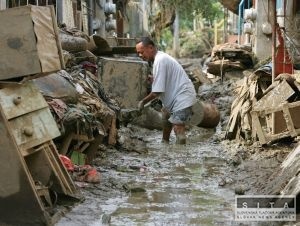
205	115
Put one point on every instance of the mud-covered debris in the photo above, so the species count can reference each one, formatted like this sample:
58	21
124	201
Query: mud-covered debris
229	56
239	190
257	99
84	111
137	190
106	219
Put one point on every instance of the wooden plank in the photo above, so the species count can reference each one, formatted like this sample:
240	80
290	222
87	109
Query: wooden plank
290	130
257	126
48	52
272	137
62	168
58	43
68	17
58	179
289	121
275	97
84	17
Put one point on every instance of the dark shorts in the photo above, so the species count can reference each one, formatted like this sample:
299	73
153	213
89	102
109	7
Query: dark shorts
181	116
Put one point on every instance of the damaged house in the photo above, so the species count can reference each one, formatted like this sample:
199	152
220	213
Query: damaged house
64	79
266	106
67	69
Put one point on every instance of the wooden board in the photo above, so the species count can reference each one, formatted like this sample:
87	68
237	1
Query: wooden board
278	95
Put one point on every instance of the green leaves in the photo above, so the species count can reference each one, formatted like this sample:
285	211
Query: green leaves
210	10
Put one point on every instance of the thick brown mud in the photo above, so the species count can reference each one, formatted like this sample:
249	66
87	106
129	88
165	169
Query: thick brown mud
147	182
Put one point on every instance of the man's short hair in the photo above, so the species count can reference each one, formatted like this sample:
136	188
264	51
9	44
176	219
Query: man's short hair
146	41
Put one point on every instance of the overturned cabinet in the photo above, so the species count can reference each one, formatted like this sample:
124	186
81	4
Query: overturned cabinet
124	79
33	181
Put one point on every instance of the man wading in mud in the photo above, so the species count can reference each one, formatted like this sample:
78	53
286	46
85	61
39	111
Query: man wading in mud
172	86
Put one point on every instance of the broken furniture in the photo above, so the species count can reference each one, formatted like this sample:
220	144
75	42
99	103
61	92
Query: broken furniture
125	79
273	117
33	180
84	117
29	39
287	114
274	109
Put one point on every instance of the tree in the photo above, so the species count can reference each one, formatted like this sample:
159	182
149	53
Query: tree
210	10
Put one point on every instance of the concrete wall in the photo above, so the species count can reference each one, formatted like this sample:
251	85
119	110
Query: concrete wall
292	26
262	45
2	4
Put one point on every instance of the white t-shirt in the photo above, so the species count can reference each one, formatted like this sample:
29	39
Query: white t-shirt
169	79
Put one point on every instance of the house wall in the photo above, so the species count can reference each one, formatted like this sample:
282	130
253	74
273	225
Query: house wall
2	4
262	45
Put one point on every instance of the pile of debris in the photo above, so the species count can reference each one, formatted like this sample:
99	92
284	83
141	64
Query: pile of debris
228	57
264	110
35	191
84	112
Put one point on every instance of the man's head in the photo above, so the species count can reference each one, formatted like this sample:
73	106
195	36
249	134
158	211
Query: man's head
146	49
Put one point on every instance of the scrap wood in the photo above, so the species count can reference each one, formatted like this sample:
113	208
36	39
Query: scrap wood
112	137
278	93
239	120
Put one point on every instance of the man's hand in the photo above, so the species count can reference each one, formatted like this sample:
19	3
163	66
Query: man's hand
141	105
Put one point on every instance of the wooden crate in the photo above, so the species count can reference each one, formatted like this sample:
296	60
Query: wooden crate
290	119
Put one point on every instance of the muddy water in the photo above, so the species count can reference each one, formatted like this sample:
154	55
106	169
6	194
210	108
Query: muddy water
169	185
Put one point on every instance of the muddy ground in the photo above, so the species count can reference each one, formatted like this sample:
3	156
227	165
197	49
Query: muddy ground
146	182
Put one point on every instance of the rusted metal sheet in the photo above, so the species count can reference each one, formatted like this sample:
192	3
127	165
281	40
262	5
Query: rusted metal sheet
126	80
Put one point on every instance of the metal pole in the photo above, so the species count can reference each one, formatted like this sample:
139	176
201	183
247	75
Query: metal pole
240	21
59	10
225	26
